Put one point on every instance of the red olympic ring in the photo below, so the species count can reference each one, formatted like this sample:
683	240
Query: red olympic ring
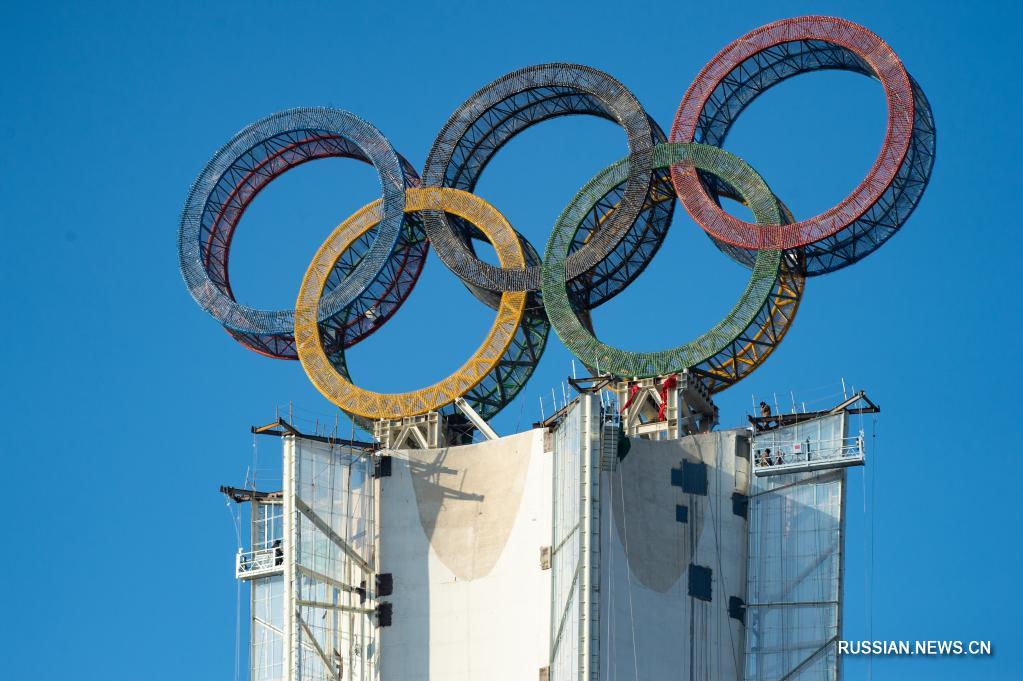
898	91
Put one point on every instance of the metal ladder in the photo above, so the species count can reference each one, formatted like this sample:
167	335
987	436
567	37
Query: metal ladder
609	440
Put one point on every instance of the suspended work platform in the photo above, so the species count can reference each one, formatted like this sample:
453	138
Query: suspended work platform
809	441
260	563
265	556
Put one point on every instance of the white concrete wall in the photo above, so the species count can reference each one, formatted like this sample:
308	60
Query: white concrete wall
461	530
652	628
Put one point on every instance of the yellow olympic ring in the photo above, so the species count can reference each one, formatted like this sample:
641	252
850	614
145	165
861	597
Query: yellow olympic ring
354	400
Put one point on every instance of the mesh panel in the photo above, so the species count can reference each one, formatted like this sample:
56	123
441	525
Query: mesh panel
566	561
267	652
334	555
794	572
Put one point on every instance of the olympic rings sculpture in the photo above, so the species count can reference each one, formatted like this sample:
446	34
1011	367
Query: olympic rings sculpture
602	241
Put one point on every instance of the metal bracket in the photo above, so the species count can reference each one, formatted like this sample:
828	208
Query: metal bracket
410	432
475	418
666	407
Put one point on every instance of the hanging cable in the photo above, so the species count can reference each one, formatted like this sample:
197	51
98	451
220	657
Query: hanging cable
255	460
870	567
628	573
717	548
236	523
610	581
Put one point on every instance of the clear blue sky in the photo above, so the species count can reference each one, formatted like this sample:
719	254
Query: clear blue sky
127	405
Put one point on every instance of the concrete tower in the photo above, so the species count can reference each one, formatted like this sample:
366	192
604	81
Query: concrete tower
577	550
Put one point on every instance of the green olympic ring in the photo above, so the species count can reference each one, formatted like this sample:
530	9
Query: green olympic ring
768	267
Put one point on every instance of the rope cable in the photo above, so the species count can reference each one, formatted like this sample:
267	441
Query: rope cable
610	581
628	573
236	523
870	567
717	546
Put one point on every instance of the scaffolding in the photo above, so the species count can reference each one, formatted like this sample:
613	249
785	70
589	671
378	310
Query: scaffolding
575	552
330	580
310	564
794	576
796	536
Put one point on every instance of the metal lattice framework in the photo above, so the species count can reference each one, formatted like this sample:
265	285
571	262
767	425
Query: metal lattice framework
494	115
748	350
240	170
386	292
884	217
602	241
737	344
368	404
499	386
761	59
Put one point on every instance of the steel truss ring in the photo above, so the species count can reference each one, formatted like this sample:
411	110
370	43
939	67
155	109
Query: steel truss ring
334	383
885	217
738	344
498	388
241	169
720	74
502	109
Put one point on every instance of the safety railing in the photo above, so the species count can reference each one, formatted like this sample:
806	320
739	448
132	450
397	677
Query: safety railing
771	457
259	562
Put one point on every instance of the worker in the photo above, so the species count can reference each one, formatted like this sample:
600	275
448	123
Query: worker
767	458
765	411
340	662
278	552
762	458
